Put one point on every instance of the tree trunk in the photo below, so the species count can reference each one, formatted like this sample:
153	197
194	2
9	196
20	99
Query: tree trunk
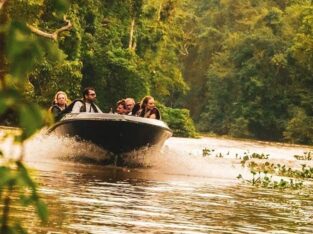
2	3
131	35
3	65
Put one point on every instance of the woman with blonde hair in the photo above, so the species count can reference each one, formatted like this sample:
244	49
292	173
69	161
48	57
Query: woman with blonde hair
58	105
148	109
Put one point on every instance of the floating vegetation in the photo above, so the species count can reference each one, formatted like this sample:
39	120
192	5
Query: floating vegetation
305	156
305	172
260	171
266	181
248	156
265	167
207	152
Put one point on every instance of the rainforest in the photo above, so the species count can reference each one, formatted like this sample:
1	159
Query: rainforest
238	68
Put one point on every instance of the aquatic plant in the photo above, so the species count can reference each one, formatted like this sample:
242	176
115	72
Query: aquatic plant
260	171
268	182
265	181
207	152
265	167
219	155
305	172
248	156
305	156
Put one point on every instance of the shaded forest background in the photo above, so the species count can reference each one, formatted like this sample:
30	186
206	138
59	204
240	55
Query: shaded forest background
242	67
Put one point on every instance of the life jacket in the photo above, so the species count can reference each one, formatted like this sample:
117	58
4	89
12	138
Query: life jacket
143	113
56	111
69	108
54	107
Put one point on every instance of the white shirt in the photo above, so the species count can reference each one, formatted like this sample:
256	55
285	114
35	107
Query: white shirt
78	105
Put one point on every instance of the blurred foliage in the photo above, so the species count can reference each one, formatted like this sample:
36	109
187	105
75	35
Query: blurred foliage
21	52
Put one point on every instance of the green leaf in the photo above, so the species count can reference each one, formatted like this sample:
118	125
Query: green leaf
8	98
3	105
31	119
25	177
61	7
22	49
42	210
7	176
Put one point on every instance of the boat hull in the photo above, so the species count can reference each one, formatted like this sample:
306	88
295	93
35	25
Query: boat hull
115	133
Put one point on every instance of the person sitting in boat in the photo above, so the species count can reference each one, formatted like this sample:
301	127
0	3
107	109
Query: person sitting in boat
148	109
121	107
87	104
130	103
58	105
135	109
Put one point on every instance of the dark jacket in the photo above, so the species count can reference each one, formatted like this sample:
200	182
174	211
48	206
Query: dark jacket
143	113
57	112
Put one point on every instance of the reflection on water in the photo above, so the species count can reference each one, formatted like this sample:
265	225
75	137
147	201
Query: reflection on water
179	190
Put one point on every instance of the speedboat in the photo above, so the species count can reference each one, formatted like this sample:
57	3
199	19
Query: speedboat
113	132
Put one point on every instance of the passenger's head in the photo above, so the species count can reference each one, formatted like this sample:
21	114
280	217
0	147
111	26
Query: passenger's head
147	103
60	98
130	103
89	94
121	107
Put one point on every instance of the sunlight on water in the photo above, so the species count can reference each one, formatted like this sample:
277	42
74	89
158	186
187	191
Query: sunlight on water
179	156
185	156
174	190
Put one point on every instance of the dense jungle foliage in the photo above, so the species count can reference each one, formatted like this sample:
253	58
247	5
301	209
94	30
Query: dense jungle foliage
250	66
242	67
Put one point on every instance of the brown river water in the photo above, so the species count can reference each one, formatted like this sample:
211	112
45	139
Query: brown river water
176	190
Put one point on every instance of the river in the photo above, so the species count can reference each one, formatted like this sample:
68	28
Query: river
177	190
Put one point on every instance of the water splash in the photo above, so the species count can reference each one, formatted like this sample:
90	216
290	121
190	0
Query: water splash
50	147
179	156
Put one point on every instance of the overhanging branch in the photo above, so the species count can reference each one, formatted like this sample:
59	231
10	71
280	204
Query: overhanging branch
2	3
55	34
